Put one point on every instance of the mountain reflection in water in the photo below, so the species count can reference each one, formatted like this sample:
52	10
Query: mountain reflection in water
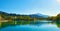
39	26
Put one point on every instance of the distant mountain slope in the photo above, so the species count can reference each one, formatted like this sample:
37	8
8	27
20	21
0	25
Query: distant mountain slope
39	15
31	15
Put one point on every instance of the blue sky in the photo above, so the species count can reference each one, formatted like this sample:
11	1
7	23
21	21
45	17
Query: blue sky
48	7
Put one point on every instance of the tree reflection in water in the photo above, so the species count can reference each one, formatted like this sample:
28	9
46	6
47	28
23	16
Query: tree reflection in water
4	24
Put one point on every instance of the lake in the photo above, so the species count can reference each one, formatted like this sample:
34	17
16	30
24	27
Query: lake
40	26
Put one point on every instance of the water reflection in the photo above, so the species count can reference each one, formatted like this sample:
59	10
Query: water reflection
30	26
58	24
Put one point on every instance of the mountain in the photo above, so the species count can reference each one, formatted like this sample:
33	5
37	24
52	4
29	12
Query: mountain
38	15
8	14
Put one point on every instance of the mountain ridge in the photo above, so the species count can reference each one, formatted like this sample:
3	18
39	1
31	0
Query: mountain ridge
37	15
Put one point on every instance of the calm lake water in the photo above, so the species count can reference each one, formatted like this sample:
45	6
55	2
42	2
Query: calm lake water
40	26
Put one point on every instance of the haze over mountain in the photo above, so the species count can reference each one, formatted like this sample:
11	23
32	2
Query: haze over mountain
39	15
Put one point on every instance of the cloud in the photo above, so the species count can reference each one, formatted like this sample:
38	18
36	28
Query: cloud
58	1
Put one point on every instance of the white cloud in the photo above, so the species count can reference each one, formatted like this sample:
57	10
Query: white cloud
58	1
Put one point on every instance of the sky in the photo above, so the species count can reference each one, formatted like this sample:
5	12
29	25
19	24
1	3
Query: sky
47	7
